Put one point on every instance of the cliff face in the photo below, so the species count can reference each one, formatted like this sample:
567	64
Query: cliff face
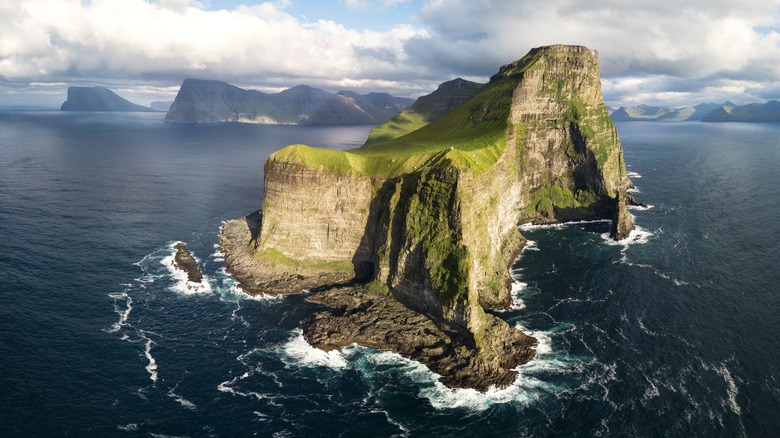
98	99
203	101
430	217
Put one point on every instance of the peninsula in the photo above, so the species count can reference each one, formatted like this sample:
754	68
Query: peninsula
407	240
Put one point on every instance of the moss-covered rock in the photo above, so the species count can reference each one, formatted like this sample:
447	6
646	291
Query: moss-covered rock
430	216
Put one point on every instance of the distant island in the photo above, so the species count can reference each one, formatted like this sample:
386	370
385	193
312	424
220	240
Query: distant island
99	99
161	105
408	239
704	112
754	112
208	101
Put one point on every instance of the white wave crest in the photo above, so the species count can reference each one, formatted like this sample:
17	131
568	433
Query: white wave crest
123	313
181	400
298	352
151	367
638	236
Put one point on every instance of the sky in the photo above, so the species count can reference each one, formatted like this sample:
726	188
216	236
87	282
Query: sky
664	52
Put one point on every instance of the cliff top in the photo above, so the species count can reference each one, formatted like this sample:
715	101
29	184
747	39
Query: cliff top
471	137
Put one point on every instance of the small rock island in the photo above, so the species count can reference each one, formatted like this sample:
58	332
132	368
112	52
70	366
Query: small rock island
408	239
184	261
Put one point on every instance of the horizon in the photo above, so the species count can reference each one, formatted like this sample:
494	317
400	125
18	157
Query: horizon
142	50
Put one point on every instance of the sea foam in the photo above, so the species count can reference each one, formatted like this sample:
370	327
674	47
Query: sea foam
183	285
298	352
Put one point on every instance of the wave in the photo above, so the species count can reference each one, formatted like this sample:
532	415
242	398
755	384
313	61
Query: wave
181	400
299	352
638	236
123	313
151	367
531	226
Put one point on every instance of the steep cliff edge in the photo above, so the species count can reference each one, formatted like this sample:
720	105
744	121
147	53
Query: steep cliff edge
429	218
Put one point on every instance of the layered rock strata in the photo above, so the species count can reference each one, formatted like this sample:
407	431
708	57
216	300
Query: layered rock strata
429	219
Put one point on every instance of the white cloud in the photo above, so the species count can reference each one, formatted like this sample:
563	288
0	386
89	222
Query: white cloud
368	5
62	40
674	49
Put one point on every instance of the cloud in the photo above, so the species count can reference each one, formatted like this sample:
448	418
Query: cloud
67	40
669	50
691	39
368	5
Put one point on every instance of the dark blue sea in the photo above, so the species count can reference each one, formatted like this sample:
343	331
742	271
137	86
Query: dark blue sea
674	334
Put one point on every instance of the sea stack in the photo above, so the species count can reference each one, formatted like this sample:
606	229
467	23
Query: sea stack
427	221
184	261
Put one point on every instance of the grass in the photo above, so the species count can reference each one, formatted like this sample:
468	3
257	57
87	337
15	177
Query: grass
471	137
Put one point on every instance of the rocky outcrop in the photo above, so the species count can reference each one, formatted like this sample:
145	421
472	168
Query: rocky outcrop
375	319
184	261
204	101
429	218
98	99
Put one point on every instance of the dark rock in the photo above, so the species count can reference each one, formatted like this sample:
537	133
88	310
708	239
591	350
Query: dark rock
622	224
377	320
184	261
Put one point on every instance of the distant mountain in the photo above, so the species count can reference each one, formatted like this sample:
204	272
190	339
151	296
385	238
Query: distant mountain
426	109
663	114
161	105
754	112
98	99
206	101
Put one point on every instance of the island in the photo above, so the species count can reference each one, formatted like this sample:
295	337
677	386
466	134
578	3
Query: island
407	241
646	113
99	99
209	101
185	262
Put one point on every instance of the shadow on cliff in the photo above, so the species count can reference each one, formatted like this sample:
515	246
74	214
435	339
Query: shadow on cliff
386	245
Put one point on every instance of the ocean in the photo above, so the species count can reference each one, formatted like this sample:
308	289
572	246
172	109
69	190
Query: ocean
672	334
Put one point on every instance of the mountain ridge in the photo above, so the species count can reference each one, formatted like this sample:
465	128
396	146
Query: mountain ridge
209	101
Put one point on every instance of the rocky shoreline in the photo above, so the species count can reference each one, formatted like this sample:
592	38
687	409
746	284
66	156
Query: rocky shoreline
372	318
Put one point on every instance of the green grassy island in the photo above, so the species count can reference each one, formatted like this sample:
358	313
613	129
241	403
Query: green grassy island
425	216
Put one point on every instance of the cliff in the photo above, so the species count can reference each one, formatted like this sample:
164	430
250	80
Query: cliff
203	101
98	99
429	218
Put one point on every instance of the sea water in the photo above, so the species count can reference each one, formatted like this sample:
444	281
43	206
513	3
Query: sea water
672	333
